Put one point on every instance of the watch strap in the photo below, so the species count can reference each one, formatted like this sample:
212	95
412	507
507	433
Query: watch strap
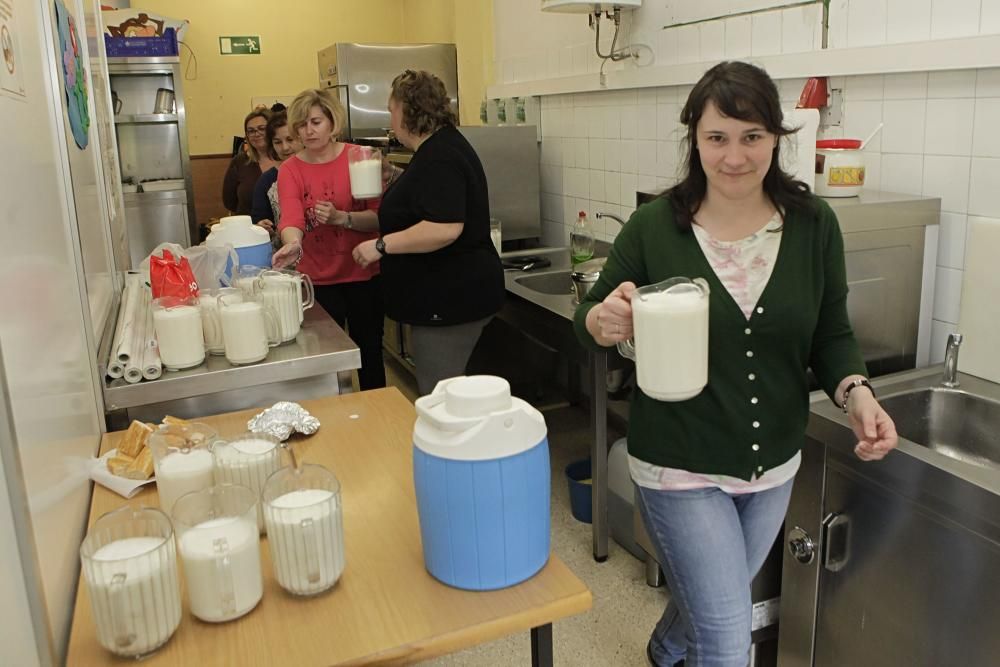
853	385
380	245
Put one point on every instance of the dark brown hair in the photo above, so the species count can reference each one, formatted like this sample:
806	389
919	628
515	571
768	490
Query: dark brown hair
745	92
256	113
278	120
425	101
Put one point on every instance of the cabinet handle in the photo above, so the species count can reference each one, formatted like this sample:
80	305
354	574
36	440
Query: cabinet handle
836	541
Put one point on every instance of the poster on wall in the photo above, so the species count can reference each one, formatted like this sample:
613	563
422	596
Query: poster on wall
11	74
74	75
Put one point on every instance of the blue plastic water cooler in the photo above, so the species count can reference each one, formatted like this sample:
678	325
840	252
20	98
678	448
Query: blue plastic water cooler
252	243
482	478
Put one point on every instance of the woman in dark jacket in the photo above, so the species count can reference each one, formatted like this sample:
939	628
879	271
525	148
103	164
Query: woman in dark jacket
440	271
247	165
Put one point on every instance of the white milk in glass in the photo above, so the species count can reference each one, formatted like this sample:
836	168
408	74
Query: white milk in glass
133	587
366	178
178	473
671	344
179	336
283	293
208	303
244	331
306	538
217	593
248	462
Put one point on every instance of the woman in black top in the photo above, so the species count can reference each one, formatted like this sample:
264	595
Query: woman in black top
440	271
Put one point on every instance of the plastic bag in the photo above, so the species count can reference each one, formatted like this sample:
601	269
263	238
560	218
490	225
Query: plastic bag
170	276
209	264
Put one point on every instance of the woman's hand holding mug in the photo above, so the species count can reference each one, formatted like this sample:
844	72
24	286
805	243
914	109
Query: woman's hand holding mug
612	318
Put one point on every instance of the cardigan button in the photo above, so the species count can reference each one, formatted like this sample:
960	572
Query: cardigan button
754	400
747	331
760	310
756	424
760	468
755	447
752	377
749	353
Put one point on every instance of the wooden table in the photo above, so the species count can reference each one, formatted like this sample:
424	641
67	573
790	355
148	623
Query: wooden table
386	609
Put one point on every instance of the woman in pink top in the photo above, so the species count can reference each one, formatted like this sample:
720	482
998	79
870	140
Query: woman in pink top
321	223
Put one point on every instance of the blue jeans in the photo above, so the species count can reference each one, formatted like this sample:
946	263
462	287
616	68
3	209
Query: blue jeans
710	545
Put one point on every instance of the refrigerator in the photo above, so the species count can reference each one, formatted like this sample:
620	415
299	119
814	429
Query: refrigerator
58	292
362	74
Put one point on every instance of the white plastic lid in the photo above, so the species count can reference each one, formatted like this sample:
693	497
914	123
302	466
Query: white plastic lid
475	418
238	231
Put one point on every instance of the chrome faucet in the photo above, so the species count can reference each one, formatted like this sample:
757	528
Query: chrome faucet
950	378
612	216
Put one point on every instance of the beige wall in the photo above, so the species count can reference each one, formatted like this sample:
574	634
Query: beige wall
219	96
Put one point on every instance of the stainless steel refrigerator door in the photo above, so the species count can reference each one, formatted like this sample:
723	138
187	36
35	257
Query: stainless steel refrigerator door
368	70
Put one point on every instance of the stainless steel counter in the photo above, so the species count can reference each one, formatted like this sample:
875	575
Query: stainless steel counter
562	306
317	363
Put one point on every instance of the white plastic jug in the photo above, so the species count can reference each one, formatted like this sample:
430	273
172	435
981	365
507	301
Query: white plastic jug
252	243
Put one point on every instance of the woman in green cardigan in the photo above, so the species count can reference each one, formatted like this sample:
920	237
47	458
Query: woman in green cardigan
714	473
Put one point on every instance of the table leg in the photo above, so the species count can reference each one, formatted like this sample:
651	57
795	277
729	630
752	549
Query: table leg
541	646
598	362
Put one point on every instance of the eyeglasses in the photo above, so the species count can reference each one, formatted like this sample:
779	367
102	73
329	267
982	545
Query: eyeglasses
256	130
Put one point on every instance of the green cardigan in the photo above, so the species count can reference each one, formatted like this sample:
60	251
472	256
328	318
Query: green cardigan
752	415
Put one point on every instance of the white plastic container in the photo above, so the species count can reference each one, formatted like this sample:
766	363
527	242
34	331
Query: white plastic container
840	167
251	242
482	479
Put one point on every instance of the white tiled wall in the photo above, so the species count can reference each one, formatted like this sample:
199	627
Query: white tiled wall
531	45
941	138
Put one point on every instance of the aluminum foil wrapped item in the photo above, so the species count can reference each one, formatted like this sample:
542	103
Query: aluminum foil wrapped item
282	419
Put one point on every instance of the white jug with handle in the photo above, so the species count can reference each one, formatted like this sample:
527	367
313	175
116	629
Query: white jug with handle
670	343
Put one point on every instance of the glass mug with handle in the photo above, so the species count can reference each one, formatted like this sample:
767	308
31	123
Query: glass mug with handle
129	562
290	294
219	544
249	327
670	340
305	528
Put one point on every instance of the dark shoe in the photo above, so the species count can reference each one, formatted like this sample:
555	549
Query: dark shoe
649	656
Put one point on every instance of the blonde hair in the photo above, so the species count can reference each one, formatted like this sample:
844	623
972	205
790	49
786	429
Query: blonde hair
256	113
331	106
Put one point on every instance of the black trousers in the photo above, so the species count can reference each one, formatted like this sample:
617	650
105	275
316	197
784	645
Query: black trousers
357	308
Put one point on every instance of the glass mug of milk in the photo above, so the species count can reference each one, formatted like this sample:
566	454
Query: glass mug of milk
219	543
305	528
670	343
249	327
129	562
208	305
182	460
289	294
364	164
248	459
247	278
179	337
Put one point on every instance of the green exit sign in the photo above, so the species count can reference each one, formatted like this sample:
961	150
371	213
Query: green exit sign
240	45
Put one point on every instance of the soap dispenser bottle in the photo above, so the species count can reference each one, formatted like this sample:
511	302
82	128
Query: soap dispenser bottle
581	239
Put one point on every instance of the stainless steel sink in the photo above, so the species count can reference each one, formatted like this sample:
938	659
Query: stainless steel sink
949	421
557	282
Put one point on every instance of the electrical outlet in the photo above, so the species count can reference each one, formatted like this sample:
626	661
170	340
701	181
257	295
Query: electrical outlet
832	115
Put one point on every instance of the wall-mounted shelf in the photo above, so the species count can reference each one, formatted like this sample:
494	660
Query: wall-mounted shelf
926	56
144	118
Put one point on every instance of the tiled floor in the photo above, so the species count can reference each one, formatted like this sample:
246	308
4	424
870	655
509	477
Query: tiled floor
615	630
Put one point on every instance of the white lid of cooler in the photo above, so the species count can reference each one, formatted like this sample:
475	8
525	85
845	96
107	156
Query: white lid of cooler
475	418
238	231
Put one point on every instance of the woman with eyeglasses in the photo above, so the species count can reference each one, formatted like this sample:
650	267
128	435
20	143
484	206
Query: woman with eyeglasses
247	165
321	222
281	145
